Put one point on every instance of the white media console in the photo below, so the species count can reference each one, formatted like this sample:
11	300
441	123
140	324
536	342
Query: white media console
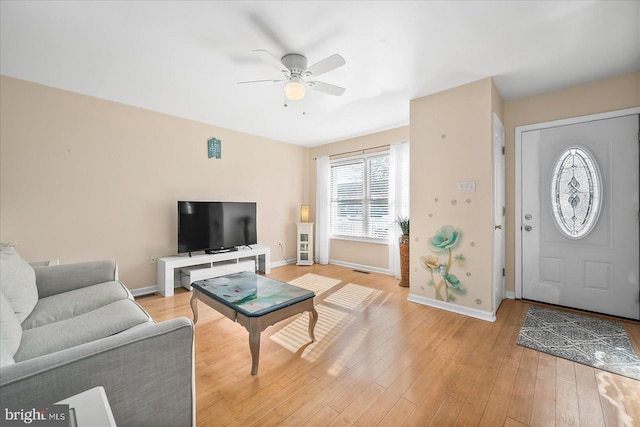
208	268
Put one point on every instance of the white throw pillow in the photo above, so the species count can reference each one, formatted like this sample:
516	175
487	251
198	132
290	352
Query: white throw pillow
10	332
17	282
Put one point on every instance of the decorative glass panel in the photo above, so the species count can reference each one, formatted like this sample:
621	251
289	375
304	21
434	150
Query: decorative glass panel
576	192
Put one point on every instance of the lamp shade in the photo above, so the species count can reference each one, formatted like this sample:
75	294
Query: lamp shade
295	90
304	213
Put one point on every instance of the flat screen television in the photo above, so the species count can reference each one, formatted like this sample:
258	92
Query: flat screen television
216	226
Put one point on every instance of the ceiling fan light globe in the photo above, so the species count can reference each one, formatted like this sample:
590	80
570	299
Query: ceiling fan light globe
294	90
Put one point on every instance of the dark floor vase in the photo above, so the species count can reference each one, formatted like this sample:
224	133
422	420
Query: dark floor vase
404	261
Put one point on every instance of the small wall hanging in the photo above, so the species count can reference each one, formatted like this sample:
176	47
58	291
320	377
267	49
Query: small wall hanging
214	148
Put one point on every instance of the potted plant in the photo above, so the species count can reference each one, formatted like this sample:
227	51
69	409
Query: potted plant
403	222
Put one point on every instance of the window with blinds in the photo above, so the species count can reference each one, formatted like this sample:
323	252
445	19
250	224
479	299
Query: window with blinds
360	198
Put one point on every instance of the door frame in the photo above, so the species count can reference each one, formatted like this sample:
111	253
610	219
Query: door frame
498	212
540	126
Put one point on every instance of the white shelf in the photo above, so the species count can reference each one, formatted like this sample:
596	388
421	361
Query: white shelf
167	265
214	269
305	243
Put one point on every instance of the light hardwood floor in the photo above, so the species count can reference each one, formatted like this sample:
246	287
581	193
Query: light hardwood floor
381	360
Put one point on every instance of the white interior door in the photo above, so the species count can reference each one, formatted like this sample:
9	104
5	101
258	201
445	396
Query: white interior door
498	213
580	233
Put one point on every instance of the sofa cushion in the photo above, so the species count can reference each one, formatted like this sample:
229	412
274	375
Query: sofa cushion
17	282
10	332
56	279
74	303
100	323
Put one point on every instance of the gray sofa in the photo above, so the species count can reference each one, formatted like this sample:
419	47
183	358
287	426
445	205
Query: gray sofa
68	328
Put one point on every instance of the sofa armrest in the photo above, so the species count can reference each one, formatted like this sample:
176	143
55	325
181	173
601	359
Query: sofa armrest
147	373
55	279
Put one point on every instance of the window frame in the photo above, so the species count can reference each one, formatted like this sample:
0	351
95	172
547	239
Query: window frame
365	158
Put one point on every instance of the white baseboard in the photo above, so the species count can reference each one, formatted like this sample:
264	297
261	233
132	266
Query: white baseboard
360	267
144	291
510	295
471	312
281	263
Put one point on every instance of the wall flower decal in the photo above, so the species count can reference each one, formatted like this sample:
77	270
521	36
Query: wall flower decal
445	238
430	262
443	242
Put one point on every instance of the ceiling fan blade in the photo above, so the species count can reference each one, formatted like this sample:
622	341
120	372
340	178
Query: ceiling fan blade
267	30
326	88
262	81
271	60
326	65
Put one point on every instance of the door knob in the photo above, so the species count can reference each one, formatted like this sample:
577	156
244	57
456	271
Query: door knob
527	228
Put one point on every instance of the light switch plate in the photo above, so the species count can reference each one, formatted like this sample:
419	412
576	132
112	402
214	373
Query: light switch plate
466	186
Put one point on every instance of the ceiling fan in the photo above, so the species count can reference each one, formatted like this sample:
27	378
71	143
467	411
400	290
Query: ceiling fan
297	76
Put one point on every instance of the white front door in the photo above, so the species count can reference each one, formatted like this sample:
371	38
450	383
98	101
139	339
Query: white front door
580	233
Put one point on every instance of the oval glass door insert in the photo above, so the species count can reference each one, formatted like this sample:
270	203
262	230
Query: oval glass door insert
576	192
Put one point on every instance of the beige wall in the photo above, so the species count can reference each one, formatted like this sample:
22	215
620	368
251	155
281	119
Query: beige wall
85	179
597	97
451	140
371	255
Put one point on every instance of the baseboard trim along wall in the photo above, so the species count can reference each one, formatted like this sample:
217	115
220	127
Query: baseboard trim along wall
510	295
360	267
284	262
471	312
144	291
151	289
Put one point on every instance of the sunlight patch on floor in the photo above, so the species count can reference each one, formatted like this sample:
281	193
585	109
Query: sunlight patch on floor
618	389
333	320
315	282
331	324
386	300
342	363
353	297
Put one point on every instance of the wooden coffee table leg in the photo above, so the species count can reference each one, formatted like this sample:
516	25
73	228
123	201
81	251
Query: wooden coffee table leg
194	305
313	318
254	346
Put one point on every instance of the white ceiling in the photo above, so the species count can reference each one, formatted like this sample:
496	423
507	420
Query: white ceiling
184	58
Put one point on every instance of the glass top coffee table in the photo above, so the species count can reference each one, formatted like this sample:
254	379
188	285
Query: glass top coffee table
254	301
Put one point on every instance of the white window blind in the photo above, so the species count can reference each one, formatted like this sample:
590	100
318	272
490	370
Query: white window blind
360	198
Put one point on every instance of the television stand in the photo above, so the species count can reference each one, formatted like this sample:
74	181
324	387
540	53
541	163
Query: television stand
167	265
